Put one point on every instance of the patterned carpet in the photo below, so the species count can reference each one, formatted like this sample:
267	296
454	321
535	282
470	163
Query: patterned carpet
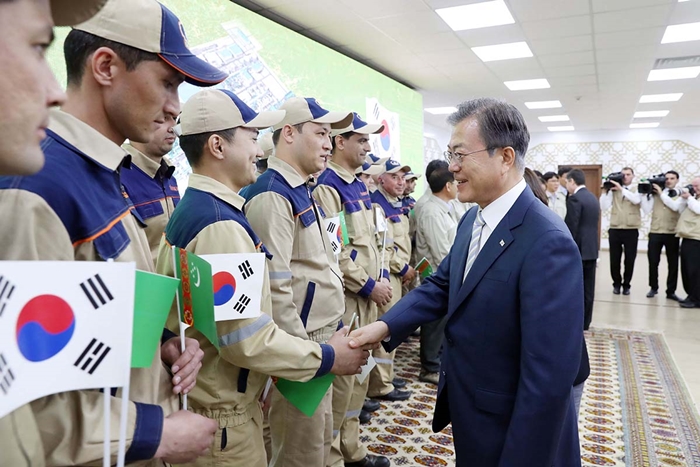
635	411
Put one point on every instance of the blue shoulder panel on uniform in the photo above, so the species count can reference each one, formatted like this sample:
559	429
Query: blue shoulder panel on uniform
84	194
299	197
352	195
146	193
393	213
199	209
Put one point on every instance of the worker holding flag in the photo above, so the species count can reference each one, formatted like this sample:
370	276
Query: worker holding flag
219	137
123	69
340	191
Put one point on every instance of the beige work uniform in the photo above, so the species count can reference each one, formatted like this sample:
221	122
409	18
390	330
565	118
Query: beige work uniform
232	379
20	443
153	191
71	423
307	299
397	255
339	190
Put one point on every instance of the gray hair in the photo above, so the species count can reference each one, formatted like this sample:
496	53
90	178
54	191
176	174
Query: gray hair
500	125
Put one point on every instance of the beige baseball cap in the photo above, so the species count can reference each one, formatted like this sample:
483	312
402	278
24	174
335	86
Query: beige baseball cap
371	169
360	126
375	160
219	109
265	142
70	12
149	26
393	167
412	176
307	109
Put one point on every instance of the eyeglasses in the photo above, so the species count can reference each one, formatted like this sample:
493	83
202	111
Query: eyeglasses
457	157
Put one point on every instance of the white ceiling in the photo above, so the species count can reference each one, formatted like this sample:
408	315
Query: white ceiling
596	54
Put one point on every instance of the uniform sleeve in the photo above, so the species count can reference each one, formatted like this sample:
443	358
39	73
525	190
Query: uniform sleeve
70	423
693	205
357	280
647	204
258	343
272	219
632	197
606	200
672	204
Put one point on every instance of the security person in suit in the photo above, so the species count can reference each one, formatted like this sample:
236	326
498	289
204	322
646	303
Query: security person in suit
514	306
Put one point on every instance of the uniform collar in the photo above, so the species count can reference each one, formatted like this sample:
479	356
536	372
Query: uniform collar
288	172
88	140
346	176
444	205
148	165
218	189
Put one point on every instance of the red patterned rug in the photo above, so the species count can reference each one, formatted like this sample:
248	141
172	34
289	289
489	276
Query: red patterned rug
635	412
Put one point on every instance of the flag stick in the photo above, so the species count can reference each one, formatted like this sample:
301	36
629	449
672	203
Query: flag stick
107	453
179	318
381	266
121	453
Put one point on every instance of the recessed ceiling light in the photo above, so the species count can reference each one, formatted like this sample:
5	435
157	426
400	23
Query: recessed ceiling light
441	110
525	84
649	98
491	53
644	125
651	114
560	128
543	105
554	118
476	15
680	1
674	73
681	33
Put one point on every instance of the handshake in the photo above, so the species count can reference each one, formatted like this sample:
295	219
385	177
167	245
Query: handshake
352	351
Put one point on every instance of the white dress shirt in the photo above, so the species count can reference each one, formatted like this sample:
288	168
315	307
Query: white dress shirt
672	204
495	212
606	199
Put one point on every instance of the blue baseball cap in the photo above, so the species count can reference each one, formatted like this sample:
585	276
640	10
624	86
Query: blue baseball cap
391	167
149	26
370	169
360	126
307	109
219	109
375	160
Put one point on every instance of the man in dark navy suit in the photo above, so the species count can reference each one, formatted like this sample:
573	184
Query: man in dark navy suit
514	306
582	216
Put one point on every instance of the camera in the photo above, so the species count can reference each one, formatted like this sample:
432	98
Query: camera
645	186
615	177
689	189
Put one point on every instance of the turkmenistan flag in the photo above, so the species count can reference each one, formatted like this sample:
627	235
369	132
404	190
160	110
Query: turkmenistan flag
424	268
153	298
196	293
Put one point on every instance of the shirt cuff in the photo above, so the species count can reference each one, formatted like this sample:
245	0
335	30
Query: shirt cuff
367	289
385	274
404	270
166	336
147	434
327	360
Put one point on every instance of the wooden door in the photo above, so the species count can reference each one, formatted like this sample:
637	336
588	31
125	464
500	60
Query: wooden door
594	183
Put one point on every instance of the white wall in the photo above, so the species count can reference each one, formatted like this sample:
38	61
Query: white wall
690	135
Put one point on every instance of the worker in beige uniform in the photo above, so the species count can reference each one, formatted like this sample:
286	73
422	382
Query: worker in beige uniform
150	182
340	191
306	283
74	210
396	267
26	94
219	138
688	230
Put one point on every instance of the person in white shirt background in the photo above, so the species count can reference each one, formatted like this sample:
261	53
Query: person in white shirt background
557	199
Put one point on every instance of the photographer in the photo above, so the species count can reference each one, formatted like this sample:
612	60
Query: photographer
665	206
625	220
688	229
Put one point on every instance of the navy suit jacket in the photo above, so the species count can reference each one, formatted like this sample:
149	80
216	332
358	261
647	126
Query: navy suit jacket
513	340
582	216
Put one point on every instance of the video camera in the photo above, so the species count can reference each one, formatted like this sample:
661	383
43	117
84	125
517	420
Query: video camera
615	177
689	189
645	186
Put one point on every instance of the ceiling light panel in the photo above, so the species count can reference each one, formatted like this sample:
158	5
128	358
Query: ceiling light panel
526	84
666	74
492	53
681	33
476	15
651	114
560	128
644	125
651	98
554	118
543	105
441	110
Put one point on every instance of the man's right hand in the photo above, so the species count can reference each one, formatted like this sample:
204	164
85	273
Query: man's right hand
347	360
186	436
373	333
615	186
381	293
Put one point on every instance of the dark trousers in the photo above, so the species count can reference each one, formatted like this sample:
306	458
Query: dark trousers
656	243
690	268
622	239
589	267
431	336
